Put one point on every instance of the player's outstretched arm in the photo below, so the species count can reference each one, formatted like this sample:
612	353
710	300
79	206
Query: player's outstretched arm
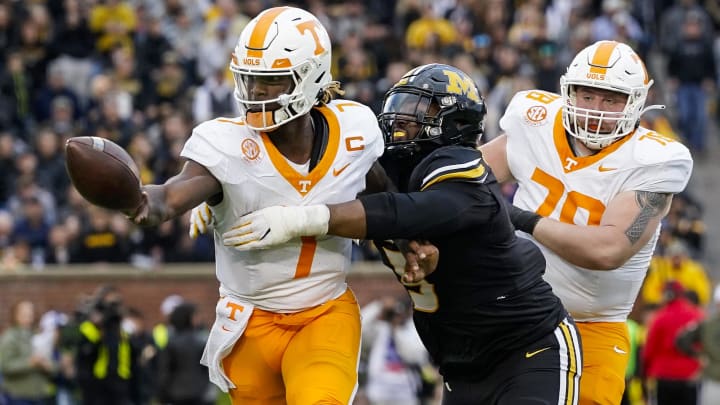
629	221
193	185
275	225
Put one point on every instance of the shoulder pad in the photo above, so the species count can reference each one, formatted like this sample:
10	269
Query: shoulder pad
455	163
357	111
663	164
530	108
653	148
213	141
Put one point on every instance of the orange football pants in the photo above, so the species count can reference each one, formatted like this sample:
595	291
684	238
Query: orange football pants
308	357
606	352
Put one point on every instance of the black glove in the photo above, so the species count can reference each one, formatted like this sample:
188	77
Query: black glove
523	220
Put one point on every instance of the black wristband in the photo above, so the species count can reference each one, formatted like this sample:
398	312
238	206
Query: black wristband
524	220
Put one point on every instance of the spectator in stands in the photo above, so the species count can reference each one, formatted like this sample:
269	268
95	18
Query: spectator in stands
214	98
16	86
674	372
27	187
54	88
58	249
685	222
430	32
51	172
113	22
6	231
73	44
691	66
675	265
102	240
33	229
7	166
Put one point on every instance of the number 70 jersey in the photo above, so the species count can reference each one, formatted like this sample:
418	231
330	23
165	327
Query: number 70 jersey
304	272
555	183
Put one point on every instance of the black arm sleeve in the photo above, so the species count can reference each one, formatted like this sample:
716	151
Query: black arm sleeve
440	210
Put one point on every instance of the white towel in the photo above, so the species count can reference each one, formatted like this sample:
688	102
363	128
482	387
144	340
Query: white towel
231	319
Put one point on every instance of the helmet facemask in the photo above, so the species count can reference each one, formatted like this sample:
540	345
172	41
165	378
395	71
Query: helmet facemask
610	66
409	118
590	126
267	115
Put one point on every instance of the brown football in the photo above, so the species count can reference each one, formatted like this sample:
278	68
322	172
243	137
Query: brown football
103	172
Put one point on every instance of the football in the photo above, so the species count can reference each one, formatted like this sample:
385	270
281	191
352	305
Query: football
103	172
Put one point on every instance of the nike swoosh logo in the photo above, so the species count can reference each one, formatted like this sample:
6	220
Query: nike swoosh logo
530	354
336	172
225	329
619	350
606	169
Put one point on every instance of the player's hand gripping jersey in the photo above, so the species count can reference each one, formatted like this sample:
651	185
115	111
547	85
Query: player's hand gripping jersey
307	271
557	184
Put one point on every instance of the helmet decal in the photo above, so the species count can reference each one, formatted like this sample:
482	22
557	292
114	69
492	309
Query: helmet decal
461	84
601	60
313	27
256	44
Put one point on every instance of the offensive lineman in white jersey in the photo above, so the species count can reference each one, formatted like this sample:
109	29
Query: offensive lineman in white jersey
287	328
593	187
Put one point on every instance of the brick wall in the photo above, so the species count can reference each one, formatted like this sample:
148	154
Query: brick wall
62	288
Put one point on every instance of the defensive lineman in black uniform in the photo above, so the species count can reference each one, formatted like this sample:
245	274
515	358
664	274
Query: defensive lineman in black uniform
490	322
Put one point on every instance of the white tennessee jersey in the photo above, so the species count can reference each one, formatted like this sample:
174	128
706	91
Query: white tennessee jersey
555	183
303	272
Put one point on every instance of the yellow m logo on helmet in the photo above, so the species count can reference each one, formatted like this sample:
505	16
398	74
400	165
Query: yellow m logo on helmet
462	84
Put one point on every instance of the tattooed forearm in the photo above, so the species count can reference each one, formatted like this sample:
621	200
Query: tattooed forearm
651	205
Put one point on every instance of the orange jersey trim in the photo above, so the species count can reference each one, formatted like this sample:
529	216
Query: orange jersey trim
303	184
565	152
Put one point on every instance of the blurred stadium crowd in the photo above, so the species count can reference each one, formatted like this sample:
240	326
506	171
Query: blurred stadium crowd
142	73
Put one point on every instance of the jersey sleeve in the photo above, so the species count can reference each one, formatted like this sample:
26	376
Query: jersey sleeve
200	148
663	169
446	208
452	163
446	194
360	121
511	121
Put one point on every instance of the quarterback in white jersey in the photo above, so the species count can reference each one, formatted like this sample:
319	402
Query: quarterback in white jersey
287	327
254	174
593	187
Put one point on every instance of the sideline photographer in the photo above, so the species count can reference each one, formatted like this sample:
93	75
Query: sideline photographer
105	359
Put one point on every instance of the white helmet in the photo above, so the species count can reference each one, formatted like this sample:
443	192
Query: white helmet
611	66
281	41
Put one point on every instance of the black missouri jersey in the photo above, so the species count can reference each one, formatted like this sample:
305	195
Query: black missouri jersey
487	296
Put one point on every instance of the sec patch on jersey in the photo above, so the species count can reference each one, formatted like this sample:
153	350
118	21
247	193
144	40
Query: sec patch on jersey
103	172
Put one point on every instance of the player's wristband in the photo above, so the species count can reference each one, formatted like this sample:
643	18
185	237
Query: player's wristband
524	220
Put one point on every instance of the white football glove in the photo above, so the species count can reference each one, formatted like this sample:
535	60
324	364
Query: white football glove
201	219
276	225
